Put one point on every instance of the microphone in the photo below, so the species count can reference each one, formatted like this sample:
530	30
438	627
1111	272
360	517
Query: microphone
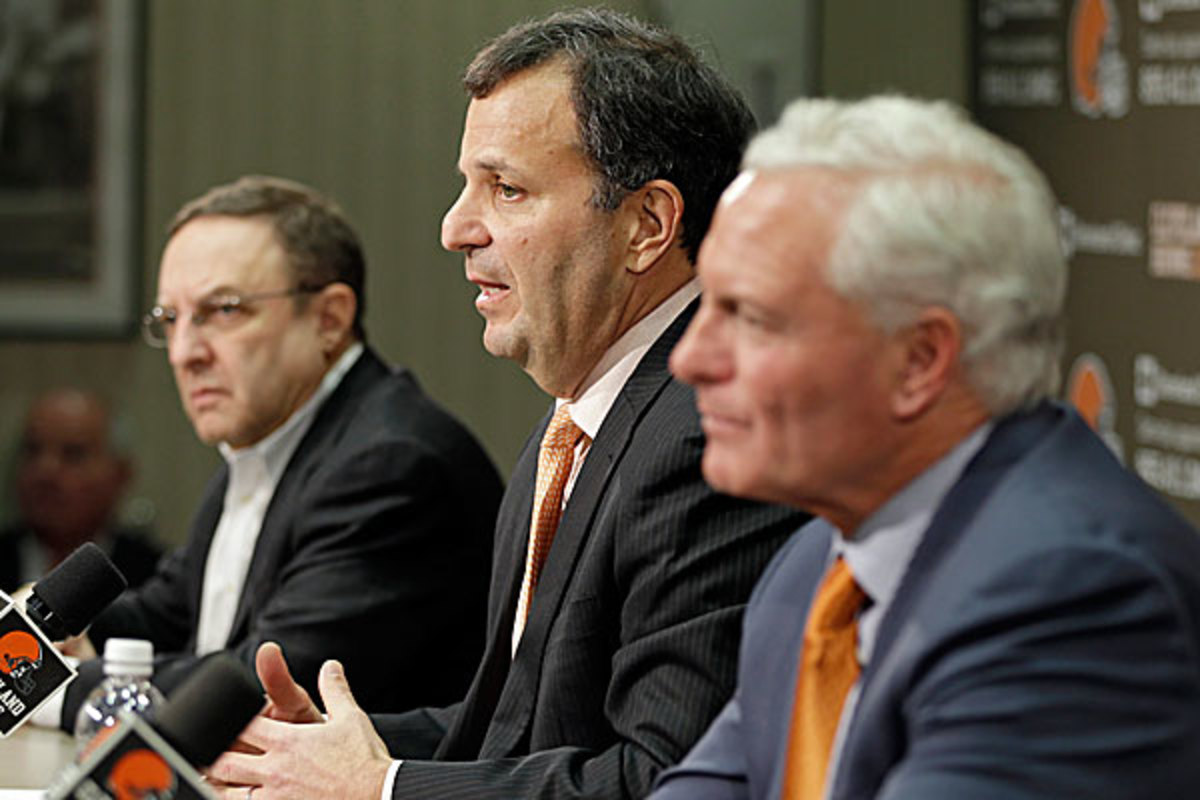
61	605
65	601
159	758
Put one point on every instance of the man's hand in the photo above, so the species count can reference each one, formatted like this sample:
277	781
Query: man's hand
80	647
286	700
343	757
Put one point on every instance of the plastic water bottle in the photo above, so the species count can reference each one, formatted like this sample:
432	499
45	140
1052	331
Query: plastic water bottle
126	687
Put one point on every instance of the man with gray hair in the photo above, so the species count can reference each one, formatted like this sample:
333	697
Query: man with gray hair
993	607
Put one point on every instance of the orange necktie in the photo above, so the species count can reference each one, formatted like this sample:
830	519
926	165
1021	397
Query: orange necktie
555	458
828	668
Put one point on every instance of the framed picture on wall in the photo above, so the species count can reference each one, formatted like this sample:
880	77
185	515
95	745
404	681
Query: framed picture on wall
70	167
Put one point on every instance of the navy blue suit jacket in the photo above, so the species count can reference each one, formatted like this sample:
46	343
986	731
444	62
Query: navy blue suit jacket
1042	644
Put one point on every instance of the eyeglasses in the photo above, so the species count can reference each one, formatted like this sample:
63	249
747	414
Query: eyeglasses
217	313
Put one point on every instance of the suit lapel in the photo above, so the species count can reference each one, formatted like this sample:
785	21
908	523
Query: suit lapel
465	737
773	646
514	529
1012	438
515	707
272	544
204	527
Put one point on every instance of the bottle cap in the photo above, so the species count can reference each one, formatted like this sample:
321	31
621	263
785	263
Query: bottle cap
128	657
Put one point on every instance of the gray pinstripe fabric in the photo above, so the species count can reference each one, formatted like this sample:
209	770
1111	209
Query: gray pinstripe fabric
631	644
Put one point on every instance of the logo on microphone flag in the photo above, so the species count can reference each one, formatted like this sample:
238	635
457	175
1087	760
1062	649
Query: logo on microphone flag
134	762
31	670
142	775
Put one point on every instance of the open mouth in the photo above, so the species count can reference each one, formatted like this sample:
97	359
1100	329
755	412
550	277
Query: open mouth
490	293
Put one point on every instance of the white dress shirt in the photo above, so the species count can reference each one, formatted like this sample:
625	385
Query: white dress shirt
254	472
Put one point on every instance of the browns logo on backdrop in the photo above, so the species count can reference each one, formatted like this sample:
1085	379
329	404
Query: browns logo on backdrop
141	775
1090	390
1099	73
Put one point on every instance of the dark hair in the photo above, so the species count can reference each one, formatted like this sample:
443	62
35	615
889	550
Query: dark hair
645	103
321	246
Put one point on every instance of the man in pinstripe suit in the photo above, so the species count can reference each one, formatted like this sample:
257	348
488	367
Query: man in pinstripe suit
593	152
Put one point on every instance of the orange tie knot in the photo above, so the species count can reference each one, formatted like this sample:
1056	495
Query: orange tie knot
562	433
828	670
838	602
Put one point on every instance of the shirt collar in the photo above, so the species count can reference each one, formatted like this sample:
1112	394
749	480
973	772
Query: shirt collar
274	450
890	536
604	383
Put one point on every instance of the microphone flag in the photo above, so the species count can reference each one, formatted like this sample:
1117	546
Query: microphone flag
31	669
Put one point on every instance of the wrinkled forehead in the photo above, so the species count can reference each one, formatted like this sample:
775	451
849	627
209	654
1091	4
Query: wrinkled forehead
214	254
528	115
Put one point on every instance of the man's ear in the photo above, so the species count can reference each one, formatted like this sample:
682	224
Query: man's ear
335	306
658	211
929	352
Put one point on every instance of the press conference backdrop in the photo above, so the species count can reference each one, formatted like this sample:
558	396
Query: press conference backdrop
1105	95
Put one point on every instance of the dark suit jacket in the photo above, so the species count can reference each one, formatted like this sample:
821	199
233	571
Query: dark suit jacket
1043	643
132	551
375	550
630	646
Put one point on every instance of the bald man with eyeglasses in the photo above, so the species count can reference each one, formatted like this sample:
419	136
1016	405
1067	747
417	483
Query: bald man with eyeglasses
350	505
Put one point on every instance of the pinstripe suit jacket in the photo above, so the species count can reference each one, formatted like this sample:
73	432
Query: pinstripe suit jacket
631	643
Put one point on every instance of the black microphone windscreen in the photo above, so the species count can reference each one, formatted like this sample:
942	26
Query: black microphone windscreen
209	709
80	587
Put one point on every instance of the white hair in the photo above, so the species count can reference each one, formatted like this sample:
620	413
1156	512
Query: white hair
944	214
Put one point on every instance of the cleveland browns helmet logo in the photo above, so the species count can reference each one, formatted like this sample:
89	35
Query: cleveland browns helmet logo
1099	73
20	657
1090	390
141	775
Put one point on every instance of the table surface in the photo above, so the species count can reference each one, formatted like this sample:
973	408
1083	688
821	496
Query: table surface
32	757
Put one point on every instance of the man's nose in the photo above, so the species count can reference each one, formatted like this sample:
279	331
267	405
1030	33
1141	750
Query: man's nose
700	356
187	344
462	228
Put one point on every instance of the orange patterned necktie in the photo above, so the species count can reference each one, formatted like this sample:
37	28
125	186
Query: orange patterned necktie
828	668
555	458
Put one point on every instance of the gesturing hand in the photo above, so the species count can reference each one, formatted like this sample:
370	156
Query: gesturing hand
286	700
291	753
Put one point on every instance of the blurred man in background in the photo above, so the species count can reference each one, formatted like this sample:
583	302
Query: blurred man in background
990	606
351	508
72	471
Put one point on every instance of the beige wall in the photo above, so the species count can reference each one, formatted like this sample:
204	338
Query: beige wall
917	47
360	98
